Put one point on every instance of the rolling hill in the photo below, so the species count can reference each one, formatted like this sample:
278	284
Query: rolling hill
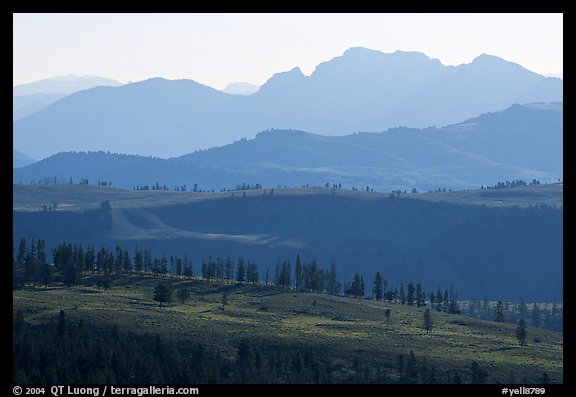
362	90
500	244
521	142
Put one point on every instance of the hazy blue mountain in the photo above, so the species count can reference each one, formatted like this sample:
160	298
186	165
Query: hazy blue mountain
362	90
19	159
522	142
24	105
544	91
149	117
64	85
528	136
486	243
32	97
487	84
241	88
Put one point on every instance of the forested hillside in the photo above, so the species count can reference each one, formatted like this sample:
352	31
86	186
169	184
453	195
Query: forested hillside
494	243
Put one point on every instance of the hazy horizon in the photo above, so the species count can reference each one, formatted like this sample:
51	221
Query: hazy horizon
71	77
203	47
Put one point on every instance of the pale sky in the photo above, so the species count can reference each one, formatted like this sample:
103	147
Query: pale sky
215	49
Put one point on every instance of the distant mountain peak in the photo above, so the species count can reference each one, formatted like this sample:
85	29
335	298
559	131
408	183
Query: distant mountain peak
284	80
167	85
241	88
486	60
360	50
398	54
484	56
294	72
361	90
492	65
62	85
361	63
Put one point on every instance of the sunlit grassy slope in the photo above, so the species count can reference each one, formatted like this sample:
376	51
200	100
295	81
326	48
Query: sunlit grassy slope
340	327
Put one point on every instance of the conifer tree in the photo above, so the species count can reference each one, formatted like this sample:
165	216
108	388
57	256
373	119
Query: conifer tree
499	312
427	320
162	293
411	294
535	315
522	332
402	294
377	290
240	271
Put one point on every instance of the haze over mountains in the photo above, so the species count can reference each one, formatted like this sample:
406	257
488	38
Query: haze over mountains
20	159
362	90
32	97
522	142
241	88
65	85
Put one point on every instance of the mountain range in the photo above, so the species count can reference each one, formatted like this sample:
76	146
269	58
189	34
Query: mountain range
362	90
64	85
31	97
521	142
